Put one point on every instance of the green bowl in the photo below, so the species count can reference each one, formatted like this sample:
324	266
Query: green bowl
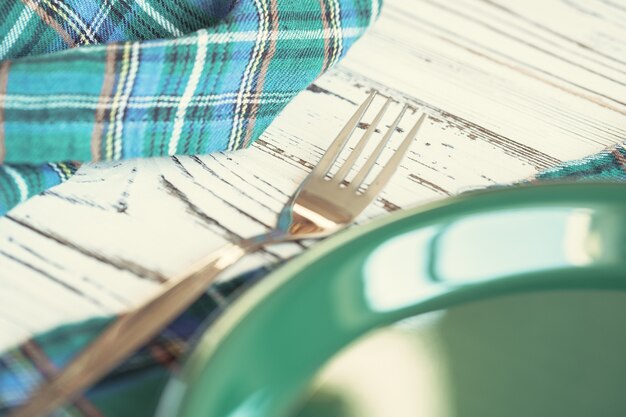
263	356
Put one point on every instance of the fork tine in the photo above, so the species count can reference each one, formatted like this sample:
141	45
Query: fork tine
329	158
394	162
362	174
358	149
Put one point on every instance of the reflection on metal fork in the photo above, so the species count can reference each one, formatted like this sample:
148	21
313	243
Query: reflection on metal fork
318	208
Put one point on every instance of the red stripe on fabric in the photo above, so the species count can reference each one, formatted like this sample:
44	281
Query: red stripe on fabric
49	20
263	73
620	158
48	370
105	93
325	27
167	356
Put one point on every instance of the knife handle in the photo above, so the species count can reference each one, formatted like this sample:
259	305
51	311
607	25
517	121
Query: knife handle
136	327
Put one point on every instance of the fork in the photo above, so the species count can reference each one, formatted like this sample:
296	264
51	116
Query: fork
322	205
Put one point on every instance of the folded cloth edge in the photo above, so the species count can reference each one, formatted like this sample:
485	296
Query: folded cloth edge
212	90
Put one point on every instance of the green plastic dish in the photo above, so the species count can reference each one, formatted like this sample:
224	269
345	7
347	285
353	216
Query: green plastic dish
261	356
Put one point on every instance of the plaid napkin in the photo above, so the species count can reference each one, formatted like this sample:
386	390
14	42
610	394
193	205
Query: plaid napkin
608	165
153	77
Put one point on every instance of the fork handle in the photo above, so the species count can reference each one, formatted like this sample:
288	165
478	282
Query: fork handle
134	328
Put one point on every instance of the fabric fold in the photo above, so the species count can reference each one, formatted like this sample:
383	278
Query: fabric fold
214	89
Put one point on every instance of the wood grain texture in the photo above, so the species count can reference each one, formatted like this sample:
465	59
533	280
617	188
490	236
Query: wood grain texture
511	87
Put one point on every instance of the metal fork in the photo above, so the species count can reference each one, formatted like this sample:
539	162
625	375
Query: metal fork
320	206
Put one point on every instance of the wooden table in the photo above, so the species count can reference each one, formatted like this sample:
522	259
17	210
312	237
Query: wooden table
511	88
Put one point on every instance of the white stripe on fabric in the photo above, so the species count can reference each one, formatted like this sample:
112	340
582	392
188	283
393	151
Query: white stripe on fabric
86	30
257	52
158	17
19	181
375	11
190	89
67	19
13	35
103	12
119	91
338	39
45	99
146	105
257	62
55	168
128	88
237	37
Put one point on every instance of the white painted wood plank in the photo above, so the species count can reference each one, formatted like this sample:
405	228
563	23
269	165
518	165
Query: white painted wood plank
509	88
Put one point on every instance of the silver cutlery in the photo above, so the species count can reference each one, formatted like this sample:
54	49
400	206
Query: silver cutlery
322	205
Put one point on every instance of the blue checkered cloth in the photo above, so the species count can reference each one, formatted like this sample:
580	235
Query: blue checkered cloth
108	80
